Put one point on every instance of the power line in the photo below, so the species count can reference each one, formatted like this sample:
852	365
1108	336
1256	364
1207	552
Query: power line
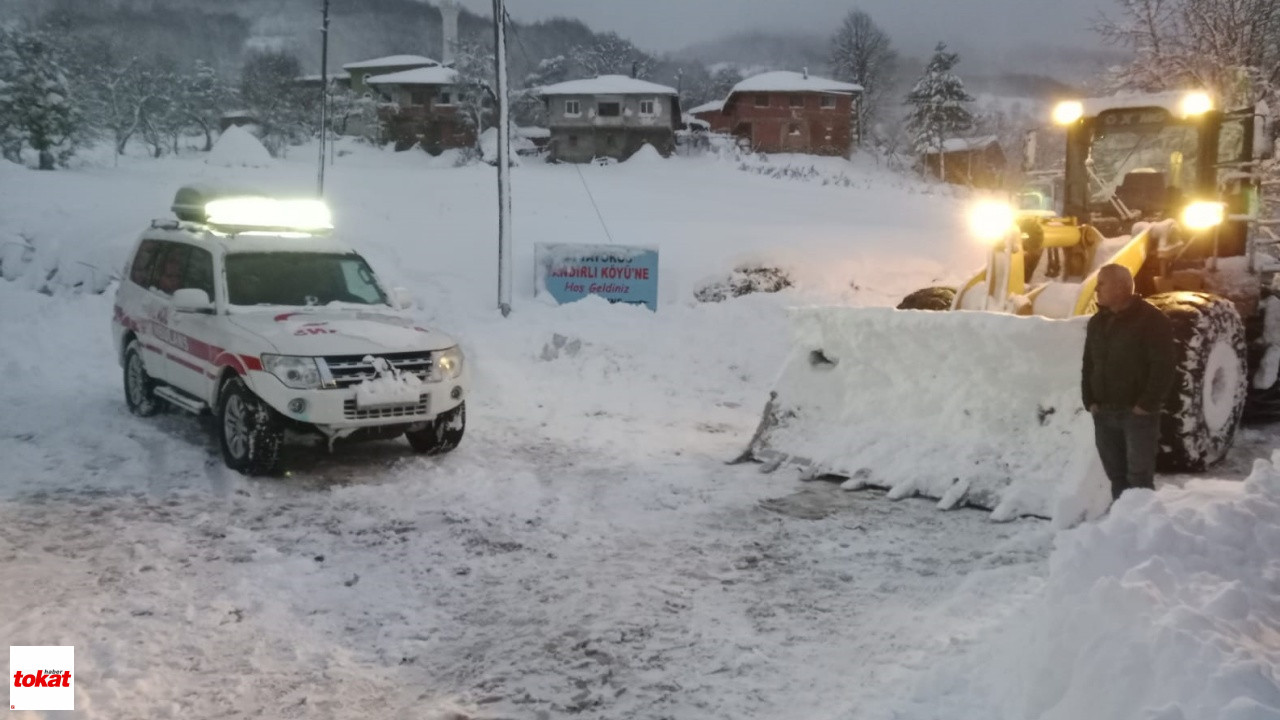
524	51
593	202
516	34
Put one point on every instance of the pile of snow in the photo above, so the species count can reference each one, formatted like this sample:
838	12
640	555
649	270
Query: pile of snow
1166	610
489	146
744	280
645	155
971	408
238	147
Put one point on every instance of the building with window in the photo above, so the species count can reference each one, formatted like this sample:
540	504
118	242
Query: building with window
424	105
358	73
609	116
791	112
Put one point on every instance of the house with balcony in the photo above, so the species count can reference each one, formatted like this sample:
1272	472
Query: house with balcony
609	116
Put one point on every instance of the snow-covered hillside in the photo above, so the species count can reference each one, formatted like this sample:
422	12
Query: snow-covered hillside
585	551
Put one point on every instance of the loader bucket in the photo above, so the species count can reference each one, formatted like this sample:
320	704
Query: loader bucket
972	408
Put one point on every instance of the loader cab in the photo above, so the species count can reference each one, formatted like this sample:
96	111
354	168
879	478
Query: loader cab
1146	160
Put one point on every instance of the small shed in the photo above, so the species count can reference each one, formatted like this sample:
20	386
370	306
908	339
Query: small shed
977	162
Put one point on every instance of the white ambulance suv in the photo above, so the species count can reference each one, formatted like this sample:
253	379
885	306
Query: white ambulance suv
250	308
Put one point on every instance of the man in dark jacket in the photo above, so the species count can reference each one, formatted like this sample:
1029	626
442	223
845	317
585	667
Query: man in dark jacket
1128	370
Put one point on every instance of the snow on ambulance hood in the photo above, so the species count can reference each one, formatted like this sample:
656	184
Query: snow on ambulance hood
345	331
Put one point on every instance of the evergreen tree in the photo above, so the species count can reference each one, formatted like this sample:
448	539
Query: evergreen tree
938	109
38	106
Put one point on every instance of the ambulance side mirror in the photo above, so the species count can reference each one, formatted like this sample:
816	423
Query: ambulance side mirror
401	299
192	300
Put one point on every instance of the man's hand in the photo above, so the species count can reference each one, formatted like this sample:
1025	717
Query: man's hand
1139	411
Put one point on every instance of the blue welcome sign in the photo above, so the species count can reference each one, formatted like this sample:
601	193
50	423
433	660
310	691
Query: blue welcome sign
617	273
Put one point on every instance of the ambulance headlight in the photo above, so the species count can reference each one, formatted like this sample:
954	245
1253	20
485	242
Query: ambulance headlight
299	373
449	363
990	221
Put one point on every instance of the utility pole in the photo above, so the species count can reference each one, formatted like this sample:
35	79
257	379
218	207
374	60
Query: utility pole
504	158
324	93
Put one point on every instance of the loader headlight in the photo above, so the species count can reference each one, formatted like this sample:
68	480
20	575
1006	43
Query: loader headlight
299	373
1195	103
991	220
449	363
1204	215
1067	112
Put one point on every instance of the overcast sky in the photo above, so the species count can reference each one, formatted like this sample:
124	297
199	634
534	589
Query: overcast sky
914	25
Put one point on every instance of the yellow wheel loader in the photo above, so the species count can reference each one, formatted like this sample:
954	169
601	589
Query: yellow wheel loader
980	404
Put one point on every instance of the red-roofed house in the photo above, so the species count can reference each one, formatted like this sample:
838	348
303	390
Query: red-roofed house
791	112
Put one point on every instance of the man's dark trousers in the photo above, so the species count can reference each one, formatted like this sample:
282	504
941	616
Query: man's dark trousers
1127	446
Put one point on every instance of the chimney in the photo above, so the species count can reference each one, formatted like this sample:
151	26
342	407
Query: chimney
806	73
449	25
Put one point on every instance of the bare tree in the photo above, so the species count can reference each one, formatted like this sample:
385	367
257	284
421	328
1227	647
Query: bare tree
861	53
1231	47
612	55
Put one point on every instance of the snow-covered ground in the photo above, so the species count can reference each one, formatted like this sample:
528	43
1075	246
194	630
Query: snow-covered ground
586	551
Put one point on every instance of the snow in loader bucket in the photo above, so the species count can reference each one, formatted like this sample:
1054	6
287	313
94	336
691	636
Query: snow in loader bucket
972	408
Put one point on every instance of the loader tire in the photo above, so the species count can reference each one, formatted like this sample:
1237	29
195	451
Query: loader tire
1210	380
932	298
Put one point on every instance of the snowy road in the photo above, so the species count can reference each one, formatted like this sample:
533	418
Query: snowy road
585	552
524	576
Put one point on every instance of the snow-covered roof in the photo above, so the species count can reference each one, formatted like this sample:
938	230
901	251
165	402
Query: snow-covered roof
608	85
691	121
391	61
966	144
788	81
417	76
713	106
316	77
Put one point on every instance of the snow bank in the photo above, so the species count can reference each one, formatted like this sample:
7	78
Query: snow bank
645	155
489	146
1166	610
238	147
973	408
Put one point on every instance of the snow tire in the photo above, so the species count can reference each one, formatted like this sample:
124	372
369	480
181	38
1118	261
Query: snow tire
442	434
139	388
250	432
1211	376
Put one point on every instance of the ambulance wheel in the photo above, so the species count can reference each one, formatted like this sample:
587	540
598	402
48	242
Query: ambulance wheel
250	432
441	434
139	388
